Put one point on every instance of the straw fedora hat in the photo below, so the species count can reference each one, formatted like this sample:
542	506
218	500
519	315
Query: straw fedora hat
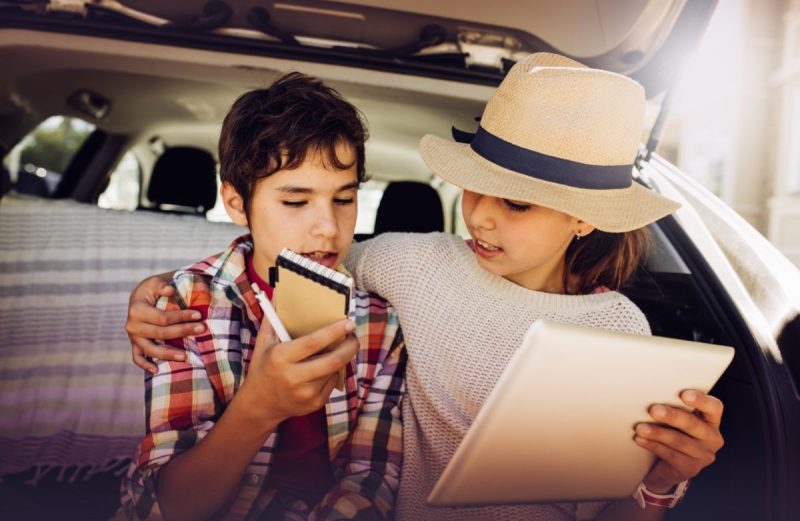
557	134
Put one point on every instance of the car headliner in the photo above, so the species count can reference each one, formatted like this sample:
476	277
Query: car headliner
181	94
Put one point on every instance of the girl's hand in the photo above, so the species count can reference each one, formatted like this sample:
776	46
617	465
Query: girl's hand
146	322
685	442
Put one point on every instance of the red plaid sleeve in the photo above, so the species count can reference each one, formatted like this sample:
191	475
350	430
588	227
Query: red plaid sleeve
180	410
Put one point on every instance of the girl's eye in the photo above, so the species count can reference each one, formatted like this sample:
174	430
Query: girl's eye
294	204
516	207
344	202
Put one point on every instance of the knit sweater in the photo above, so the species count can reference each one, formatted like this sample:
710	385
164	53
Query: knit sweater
461	326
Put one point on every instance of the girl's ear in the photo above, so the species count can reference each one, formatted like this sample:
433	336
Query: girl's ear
234	204
582	228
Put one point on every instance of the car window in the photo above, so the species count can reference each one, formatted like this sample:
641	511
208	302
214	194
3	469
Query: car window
218	213
124	185
37	162
369	197
459	226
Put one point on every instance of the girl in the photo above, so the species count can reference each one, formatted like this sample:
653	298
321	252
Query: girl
556	224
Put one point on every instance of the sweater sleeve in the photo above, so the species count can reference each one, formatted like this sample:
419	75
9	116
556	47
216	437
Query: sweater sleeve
386	263
626	317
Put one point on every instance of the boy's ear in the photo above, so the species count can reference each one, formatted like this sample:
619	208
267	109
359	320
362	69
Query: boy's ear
234	204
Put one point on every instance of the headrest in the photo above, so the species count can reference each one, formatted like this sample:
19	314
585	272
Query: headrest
184	176
409	206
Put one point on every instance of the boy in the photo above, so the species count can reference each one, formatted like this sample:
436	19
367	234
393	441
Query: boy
278	442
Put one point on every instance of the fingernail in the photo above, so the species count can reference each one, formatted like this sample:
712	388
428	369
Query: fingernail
152	370
350	326
658	411
690	396
640	441
180	357
196	316
199	329
643	429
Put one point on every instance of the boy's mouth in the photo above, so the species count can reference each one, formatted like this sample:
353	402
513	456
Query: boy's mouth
326	258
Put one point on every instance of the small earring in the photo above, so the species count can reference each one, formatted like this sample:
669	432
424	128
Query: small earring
577	236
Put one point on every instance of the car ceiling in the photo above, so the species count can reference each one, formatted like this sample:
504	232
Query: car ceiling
167	83
598	31
182	95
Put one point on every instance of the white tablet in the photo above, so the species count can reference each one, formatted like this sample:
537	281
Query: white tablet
558	425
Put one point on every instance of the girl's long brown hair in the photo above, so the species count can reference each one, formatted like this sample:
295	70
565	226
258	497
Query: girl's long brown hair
604	259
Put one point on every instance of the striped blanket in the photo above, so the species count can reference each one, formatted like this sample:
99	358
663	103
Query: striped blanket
70	397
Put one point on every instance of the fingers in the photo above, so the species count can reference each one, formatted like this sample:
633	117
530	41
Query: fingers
710	407
152	315
686	442
166	290
303	347
160	352
688	422
674	439
144	349
328	363
681	466
150	322
140	360
150	289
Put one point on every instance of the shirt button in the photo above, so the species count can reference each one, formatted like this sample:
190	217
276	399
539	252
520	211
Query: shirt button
253	479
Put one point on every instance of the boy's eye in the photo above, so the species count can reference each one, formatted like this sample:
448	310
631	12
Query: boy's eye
294	204
344	201
516	207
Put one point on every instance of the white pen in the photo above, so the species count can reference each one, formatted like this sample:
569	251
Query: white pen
270	313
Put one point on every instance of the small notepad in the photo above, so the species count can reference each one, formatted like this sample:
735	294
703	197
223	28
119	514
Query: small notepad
308	295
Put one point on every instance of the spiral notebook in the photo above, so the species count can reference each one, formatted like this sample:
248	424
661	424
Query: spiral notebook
308	295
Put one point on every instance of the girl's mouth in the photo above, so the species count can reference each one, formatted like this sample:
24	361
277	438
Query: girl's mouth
487	250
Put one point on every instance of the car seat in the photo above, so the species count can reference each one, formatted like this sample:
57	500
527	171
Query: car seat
5	181
184	176
408	206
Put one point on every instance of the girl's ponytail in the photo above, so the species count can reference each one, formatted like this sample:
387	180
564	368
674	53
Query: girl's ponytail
604	259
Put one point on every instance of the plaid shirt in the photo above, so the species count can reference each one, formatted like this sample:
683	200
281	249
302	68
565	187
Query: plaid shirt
185	399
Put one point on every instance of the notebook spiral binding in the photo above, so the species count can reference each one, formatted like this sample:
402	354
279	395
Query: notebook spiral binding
317	272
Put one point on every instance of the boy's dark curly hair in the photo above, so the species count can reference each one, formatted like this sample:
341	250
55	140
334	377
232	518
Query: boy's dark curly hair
271	129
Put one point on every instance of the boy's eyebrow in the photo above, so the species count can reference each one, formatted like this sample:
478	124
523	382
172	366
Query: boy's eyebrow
292	189
348	186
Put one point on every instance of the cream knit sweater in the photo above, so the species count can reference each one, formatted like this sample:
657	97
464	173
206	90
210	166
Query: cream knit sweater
461	325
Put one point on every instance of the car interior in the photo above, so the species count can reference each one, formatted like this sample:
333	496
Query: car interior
161	108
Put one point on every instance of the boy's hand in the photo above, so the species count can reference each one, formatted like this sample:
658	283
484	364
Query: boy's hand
296	378
146	322
685	443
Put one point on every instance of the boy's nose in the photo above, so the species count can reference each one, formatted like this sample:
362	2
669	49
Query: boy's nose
326	224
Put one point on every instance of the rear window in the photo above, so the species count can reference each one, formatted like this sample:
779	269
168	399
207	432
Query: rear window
36	164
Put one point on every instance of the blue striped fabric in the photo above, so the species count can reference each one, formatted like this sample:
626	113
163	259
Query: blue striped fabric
69	394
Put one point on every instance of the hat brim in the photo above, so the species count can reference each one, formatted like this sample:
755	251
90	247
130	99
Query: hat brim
610	210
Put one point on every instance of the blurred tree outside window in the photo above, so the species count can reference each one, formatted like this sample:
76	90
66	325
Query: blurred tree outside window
37	162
